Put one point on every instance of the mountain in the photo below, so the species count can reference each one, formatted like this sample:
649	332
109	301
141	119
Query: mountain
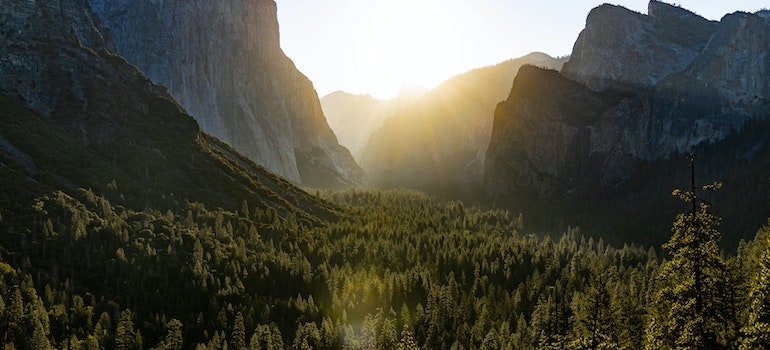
439	140
639	92
75	116
621	47
354	117
222	61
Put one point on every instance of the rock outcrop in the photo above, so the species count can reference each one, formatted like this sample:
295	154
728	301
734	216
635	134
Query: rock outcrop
537	138
438	142
30	35
222	61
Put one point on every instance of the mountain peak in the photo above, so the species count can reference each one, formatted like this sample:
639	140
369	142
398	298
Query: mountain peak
620	48
659	10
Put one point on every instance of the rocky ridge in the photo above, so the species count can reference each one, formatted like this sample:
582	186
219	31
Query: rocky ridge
222	61
663	42
673	79
603	149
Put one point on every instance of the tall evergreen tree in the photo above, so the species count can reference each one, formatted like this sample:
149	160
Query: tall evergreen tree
757	330
595	314
689	310
239	332
407	341
174	339
125	336
266	337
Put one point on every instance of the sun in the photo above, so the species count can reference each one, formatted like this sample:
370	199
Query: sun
416	42
378	46
411	43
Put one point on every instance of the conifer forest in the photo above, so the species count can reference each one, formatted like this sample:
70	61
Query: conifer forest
394	269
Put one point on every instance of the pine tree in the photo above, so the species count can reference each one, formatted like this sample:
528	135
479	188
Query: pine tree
757	330
239	332
39	337
596	315
689	296
125	335
407	341
266	337
307	334
174	339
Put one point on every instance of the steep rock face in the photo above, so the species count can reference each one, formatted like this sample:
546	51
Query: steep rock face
537	139
621	48
680	81
582	137
439	141
736	60
76	115
30	34
223	63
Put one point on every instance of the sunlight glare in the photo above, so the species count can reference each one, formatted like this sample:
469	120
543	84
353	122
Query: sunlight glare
408	42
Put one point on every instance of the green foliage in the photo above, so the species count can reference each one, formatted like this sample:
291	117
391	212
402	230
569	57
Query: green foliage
690	301
757	329
125	335
445	275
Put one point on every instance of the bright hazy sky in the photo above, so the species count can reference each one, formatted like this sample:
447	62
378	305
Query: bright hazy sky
377	46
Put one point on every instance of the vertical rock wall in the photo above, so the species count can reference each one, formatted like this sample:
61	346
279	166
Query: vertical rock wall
223	62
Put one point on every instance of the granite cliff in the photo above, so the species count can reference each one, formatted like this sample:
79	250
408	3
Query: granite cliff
638	91
75	115
621	48
439	140
222	61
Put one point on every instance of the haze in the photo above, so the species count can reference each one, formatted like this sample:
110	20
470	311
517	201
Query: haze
376	46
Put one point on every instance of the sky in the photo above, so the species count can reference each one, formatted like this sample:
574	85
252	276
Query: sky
377	46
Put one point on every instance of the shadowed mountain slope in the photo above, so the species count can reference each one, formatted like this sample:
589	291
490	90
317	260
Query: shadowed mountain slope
222	61
608	128
76	115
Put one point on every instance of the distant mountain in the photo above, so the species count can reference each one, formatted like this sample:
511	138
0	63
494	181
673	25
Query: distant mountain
222	61
354	117
77	116
439	140
638	93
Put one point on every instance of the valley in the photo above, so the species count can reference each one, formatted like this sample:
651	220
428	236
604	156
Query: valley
170	180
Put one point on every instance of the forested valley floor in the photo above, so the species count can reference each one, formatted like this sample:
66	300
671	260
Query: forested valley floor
396	269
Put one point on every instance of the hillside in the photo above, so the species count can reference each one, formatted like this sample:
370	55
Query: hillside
439	141
222	61
75	115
